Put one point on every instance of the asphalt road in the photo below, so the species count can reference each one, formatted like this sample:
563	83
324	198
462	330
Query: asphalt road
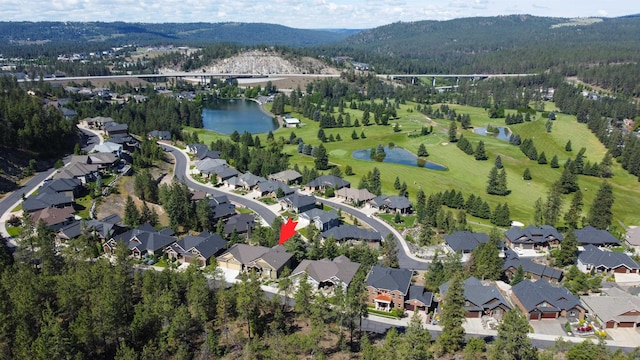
9	200
180	174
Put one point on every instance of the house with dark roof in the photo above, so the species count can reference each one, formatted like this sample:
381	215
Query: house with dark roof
142	241
287	176
602	261
69	187
221	208
114	128
102	229
532	269
347	232
592	236
84	172
298	203
128	142
206	167
540	300
465	242
322	220
419	299
241	223
197	148
480	299
222	173
388	288
43	200
198	249
619	310
325	275
266	262
355	196
270	188
159	135
108	147
533	237
249	181
324	182
632	237
393	203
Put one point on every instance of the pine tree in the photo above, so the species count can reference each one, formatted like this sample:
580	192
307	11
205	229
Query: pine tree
527	174
542	158
354	135
480	153
567	147
453	131
554	162
452	317
422	151
518	276
568	182
131	213
568	249
498	162
396	183
322	158
390	252
553	205
538	212
600	214
574	213
513	341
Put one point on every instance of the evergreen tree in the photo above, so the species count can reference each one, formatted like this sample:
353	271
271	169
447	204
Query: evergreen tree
480	152
421	206
568	182
354	135
453	131
542	158
518	276
422	151
513	341
538	212
554	162
568	249
486	258
600	214
396	183
322	158
321	135
451	339
497	183
567	147
574	213
131	213
553	206
527	174
498	162
501	215
390	252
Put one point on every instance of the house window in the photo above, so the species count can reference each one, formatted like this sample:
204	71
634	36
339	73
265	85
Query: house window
572	313
466	303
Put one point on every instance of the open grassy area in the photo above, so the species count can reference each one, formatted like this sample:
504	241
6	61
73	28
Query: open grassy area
14	231
463	172
84	206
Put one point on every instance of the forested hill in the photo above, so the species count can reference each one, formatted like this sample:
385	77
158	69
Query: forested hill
516	43
51	34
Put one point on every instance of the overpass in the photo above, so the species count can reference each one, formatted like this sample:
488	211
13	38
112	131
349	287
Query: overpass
473	77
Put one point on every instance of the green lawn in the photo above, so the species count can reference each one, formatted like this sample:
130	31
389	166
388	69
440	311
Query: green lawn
464	173
14	231
84	206
407	221
17	208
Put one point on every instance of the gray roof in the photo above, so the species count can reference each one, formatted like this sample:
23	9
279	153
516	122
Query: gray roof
251	180
114	126
45	200
529	266
340	269
329	181
351	232
207	165
240	223
480	296
286	176
76	169
106	227
418	293
160	134
355	194
277	257
145	238
532	234
609	308
323	216
60	185
392	202
465	240
206	244
270	186
533	295
609	259
300	201
224	172
591	235
381	277
247	253
633	236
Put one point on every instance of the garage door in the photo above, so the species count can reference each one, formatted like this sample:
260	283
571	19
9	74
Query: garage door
534	316
620	270
473	314
611	324
626	324
230	265
548	315
409	307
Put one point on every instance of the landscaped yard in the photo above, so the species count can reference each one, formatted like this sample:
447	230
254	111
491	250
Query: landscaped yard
84	206
407	221
14	231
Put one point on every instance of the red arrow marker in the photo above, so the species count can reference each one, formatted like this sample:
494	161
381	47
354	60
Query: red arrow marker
287	231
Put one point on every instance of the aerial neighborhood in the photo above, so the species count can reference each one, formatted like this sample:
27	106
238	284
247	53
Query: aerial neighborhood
258	201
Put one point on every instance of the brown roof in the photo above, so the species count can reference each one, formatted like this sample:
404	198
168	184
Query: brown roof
52	216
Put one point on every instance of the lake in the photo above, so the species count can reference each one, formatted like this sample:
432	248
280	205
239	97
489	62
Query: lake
503	132
398	155
226	115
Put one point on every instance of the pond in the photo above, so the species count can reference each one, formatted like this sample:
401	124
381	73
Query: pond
503	132
398	155
226	115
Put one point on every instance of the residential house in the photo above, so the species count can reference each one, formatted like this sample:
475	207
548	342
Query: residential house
532	269
419	299
388	288
602	261
113	128
266	262
619	310
102	160
198	249
480	299
223	173
325	275
592	236
533	237
54	218
270	188
86	173
102	229
39	201
199	195
633	237
128	142
324	182
159	135
299	203
322	220
240	223
465	242
142	241
355	196
287	176
98	122
221	208
108	147
347	232
290	122
249	181
197	148
394	203
541	300
71	188
205	167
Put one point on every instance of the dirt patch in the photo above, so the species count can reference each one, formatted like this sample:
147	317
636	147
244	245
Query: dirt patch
13	164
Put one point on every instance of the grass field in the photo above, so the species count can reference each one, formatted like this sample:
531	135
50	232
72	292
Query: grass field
463	172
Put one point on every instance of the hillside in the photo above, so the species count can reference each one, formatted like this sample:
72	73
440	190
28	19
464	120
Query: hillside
265	62
508	44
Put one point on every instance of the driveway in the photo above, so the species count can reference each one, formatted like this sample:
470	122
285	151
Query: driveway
549	326
624	336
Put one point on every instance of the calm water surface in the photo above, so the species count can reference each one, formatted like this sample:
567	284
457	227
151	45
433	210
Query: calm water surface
226	115
397	155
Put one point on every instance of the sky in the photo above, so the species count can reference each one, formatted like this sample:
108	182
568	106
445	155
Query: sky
304	14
